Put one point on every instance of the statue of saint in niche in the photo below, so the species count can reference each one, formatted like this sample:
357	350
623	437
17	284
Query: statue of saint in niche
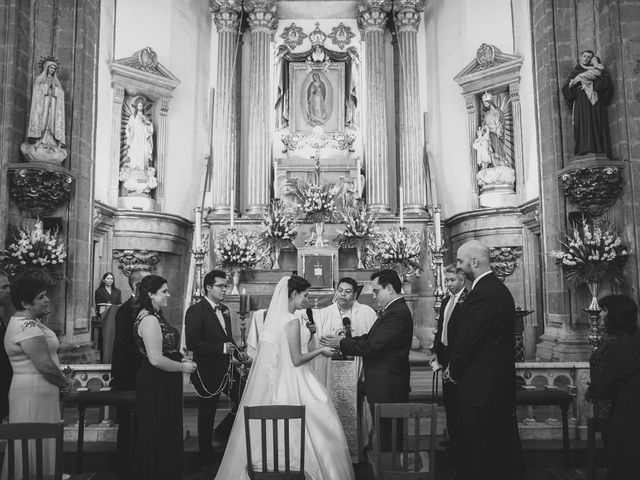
316	97
139	131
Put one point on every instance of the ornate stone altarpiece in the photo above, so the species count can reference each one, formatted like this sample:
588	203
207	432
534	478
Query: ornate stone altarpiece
490	86
140	77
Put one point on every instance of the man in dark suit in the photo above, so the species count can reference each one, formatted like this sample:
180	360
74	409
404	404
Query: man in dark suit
444	341
208	335
385	349
6	372
482	362
125	363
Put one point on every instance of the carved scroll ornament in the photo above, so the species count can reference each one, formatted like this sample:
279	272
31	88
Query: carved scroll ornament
504	260
592	189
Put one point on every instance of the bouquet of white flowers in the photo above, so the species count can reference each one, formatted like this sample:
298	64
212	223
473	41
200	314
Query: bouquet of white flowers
359	230
318	201
35	252
278	226
399	249
235	249
594	252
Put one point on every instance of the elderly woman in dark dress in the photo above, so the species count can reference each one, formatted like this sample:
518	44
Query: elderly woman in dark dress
616	377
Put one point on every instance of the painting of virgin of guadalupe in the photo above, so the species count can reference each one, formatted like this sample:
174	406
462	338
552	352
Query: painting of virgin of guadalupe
317	98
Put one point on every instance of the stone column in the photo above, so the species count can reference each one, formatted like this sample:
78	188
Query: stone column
262	23
372	21
226	15
412	173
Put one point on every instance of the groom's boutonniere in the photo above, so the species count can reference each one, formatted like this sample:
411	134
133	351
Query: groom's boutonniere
463	296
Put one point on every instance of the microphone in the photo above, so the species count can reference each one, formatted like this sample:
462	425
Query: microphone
309	312
346	323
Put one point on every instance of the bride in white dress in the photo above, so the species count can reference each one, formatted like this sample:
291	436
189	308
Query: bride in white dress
280	375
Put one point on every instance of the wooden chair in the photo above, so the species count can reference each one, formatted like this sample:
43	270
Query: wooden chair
24	432
594	425
275	413
404	464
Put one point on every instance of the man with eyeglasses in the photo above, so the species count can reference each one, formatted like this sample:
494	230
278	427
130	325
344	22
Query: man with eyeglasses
208	335
345	311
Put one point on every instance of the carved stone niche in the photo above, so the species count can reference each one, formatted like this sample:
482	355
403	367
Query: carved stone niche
490	86
143	88
592	184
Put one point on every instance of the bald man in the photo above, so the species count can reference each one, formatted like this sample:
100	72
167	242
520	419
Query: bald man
482	362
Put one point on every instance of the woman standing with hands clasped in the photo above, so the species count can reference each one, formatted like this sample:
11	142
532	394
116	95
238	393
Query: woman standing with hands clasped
159	446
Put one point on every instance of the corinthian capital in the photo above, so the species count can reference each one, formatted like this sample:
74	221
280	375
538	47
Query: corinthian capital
226	14
262	15
373	14
407	13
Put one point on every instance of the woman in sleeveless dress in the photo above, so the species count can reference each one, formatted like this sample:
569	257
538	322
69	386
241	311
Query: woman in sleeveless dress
280	375
159	443
34	395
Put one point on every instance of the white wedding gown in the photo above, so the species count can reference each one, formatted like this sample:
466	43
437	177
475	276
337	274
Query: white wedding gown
274	380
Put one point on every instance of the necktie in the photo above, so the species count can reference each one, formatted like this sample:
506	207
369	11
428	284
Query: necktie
445	322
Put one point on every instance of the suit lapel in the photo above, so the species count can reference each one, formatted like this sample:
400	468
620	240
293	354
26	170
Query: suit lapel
214	318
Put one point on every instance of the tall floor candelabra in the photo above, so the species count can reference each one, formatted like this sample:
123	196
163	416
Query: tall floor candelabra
437	266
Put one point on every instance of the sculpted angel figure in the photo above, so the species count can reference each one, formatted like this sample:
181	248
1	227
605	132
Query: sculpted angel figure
316	96
139	137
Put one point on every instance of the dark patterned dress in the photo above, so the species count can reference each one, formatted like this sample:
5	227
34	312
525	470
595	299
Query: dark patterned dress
159	443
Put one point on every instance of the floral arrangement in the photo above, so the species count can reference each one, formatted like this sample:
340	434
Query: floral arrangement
279	227
235	249
359	226
35	252
399	249
593	252
318	201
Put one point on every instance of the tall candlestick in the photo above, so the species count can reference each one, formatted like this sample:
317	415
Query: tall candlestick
233	201
401	191
244	301
437	226
358	177
198	227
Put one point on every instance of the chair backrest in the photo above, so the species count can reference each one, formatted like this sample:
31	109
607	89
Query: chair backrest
275	414
23	432
405	459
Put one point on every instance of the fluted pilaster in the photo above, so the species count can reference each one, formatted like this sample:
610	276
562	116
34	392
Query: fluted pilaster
412	174
372	21
226	15
262	23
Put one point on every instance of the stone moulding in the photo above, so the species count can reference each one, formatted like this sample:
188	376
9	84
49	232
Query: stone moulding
592	189
504	260
131	260
39	187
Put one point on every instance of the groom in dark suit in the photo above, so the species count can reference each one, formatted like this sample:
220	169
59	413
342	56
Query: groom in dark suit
446	334
385	349
208	335
483	364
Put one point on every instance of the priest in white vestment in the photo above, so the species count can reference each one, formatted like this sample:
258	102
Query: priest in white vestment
331	319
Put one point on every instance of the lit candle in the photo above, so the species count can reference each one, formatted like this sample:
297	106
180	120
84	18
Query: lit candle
244	301
233	201
437	226
401	191
198	230
358	170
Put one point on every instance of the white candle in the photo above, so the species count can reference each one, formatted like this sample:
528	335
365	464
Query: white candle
401	190
198	231
358	170
437	226
233	200
276	193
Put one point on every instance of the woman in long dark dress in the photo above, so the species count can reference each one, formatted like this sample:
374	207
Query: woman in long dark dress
159	443
616	378
107	293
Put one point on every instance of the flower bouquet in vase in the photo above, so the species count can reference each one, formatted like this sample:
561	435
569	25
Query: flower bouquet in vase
35	252
318	204
593	252
236	251
279	229
399	249
359	231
